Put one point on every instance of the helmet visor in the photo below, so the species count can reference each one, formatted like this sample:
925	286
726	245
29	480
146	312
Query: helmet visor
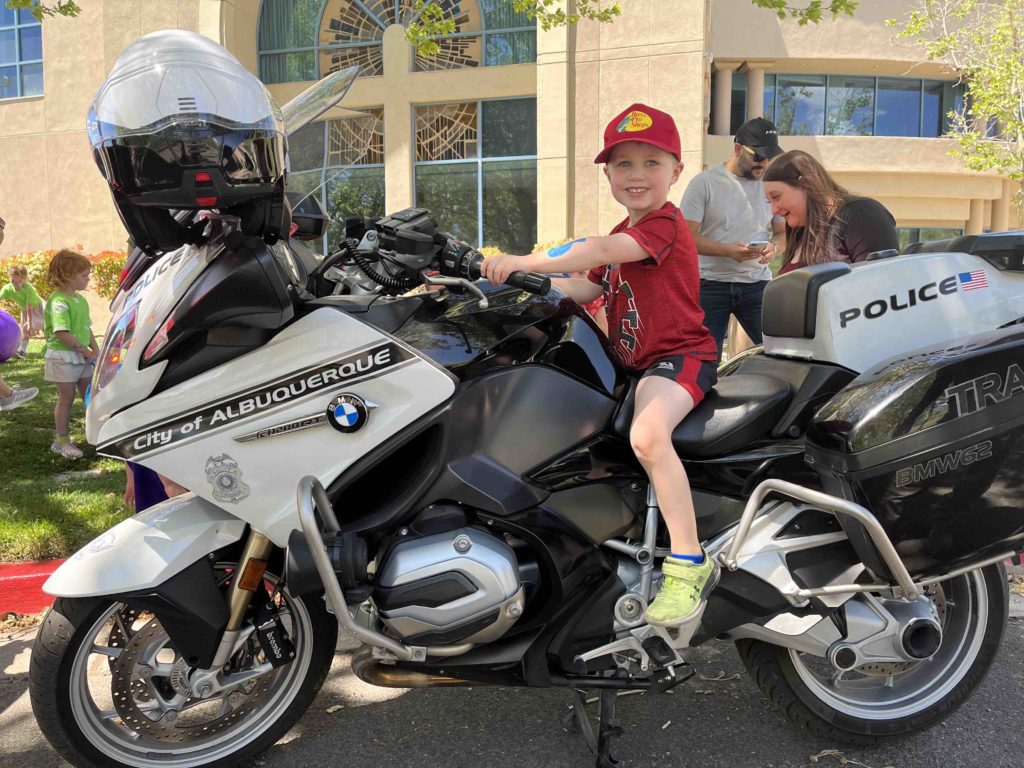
149	163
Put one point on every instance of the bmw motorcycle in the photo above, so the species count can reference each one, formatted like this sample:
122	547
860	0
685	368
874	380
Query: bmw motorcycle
441	469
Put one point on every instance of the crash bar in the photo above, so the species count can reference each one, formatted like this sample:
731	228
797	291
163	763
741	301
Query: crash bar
309	489
837	506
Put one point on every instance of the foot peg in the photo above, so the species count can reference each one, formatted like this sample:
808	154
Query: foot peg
659	651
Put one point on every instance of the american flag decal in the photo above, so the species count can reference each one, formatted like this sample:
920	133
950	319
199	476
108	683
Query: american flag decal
970	281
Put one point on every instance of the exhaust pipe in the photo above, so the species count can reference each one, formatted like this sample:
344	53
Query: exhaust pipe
373	671
922	638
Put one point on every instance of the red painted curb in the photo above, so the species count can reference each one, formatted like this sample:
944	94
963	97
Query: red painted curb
21	586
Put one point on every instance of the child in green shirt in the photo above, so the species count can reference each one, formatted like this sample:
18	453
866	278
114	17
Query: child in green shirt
71	348
21	292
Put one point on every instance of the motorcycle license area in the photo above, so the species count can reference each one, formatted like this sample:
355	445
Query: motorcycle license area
383	447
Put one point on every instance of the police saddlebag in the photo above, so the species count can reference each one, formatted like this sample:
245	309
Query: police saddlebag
933	444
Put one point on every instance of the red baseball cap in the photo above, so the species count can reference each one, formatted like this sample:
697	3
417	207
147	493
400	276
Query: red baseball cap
638	122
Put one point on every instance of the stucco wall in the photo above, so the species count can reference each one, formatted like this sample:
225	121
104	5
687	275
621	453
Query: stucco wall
52	194
858	45
653	54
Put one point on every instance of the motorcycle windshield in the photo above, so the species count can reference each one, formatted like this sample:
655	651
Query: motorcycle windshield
317	99
320	153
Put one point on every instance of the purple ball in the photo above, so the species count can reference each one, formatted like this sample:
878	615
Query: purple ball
10	336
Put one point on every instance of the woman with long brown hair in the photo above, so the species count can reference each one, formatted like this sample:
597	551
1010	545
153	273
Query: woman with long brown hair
824	222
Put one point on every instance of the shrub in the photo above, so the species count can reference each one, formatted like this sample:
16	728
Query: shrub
106	271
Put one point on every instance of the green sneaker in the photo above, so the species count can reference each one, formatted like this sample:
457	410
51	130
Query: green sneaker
684	586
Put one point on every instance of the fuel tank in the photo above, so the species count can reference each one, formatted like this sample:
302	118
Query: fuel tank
933	444
516	327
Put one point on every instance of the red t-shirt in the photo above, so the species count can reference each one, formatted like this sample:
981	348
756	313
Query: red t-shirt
654	305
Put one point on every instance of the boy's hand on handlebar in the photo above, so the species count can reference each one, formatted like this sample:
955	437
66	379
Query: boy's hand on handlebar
498	268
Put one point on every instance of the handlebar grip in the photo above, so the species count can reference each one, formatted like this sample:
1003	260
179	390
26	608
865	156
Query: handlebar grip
530	282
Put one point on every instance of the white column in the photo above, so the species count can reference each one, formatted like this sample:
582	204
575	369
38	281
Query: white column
755	92
976	222
1001	209
398	132
723	99
556	123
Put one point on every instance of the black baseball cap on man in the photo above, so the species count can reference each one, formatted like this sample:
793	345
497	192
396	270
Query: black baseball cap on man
761	136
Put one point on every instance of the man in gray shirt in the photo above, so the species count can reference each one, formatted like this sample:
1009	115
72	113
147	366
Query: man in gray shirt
734	232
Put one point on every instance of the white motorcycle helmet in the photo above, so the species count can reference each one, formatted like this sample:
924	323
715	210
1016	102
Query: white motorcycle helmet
179	124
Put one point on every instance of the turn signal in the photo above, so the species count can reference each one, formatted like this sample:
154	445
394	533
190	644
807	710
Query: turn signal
252	575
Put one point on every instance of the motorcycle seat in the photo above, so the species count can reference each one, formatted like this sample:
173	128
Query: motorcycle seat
736	412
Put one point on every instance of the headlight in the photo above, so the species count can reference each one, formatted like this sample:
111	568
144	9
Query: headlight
115	347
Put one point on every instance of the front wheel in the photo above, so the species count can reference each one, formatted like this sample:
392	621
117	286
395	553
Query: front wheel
880	700
108	689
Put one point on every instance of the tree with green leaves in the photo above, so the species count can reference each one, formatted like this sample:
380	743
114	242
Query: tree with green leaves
432	22
41	10
983	43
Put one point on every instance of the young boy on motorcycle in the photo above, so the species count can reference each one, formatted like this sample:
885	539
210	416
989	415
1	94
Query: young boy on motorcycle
647	271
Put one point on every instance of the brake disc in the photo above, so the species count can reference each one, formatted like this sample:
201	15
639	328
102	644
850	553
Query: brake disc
116	638
159	707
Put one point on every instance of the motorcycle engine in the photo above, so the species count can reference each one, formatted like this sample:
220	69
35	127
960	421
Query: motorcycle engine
459	586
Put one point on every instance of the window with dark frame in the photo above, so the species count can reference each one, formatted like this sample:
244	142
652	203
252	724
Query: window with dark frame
21	54
852	105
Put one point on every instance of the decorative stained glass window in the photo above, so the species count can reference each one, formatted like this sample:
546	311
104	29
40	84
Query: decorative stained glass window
307	39
21	54
476	170
342	163
446	132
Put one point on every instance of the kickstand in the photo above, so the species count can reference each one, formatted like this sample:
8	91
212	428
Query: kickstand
608	727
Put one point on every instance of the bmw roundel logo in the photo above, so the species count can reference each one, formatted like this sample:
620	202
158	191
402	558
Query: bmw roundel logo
348	413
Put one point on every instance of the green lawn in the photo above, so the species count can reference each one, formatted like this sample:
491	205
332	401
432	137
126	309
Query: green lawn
42	516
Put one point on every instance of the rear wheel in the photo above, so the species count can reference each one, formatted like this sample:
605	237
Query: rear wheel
108	689
880	700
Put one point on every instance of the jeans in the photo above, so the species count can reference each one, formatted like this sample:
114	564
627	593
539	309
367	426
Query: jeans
719	300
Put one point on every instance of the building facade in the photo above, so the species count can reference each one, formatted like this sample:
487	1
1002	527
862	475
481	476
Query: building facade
497	133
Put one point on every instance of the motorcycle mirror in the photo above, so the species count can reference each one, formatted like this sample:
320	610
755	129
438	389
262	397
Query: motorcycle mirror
318	98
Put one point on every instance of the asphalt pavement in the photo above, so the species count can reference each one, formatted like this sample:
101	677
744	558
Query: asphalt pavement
718	719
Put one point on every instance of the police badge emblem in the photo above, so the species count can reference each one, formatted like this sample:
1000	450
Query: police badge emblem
226	478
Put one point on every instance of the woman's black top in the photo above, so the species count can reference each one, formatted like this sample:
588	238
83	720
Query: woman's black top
862	226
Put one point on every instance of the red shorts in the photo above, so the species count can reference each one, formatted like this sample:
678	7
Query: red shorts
694	375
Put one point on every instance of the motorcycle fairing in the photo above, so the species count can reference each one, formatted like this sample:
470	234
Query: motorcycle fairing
147	549
256	474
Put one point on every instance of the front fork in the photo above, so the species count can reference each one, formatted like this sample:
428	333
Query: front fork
248	579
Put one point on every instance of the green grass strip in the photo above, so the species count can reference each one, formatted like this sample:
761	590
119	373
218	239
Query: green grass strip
44	513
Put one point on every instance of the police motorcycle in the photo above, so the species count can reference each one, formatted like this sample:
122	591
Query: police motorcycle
441	469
